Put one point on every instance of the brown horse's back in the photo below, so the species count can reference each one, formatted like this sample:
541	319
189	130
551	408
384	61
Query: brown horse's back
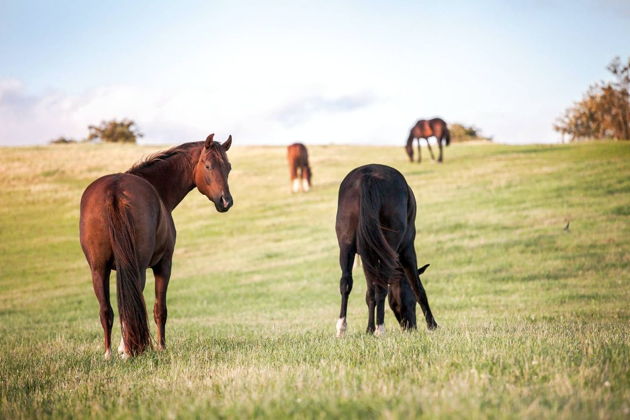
297	154
299	168
153	229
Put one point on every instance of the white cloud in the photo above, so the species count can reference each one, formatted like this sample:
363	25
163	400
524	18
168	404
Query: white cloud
253	112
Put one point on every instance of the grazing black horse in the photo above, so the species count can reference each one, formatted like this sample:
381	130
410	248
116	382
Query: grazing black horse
376	216
424	129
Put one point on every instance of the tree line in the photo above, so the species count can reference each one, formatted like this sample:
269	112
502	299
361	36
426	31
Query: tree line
113	131
604	111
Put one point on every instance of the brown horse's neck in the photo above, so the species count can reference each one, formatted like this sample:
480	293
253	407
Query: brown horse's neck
171	172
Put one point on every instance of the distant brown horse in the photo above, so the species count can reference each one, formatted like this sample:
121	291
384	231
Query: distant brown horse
376	216
126	225
424	129
299	169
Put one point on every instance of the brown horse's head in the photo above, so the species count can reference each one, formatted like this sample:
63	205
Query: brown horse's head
211	173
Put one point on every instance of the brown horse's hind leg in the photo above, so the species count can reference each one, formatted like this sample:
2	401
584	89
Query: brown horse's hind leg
100	282
346	259
419	151
162	273
293	176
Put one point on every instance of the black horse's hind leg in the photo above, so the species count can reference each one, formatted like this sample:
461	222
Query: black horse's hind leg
100	282
370	300
346	259
410	266
380	293
162	273
430	149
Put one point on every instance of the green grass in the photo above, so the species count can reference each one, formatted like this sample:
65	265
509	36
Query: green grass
535	320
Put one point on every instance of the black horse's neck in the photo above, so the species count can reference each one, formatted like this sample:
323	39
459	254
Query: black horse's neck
171	172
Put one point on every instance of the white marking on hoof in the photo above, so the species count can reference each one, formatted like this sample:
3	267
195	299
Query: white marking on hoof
380	330
296	185
121	346
305	185
125	356
108	355
341	327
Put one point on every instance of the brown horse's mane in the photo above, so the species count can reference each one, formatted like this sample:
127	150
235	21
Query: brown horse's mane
165	157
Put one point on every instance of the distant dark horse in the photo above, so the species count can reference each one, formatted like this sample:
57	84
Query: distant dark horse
376	217
299	169
425	129
126	225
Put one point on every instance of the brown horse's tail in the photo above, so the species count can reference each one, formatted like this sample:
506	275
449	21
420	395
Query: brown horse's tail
131	306
379	259
447	135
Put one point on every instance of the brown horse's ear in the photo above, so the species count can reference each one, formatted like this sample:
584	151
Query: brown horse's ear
423	268
227	143
209	140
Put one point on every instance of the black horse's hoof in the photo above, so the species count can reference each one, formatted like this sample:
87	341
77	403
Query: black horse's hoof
432	325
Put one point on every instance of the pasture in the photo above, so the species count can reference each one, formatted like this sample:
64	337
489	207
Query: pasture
534	319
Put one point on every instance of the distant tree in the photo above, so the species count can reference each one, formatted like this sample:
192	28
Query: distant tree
461	133
124	131
62	140
604	111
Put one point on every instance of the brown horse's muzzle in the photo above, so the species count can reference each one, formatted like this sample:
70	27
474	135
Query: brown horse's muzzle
224	203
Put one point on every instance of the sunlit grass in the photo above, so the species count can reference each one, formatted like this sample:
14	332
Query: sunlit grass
534	318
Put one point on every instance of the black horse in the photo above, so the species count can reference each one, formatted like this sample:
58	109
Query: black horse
424	129
376	217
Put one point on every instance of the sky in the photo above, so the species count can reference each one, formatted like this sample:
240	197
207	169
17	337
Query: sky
318	72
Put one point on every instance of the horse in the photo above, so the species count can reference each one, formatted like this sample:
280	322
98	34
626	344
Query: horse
299	169
126	225
376	215
424	129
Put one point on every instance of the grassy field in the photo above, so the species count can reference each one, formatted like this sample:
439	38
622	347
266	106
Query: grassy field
535	320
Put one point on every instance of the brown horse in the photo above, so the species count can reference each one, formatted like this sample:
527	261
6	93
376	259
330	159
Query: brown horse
376	216
299	169
423	130
126	225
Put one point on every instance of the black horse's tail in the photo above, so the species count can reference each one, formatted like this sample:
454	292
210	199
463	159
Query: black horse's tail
380	260
131	307
447	135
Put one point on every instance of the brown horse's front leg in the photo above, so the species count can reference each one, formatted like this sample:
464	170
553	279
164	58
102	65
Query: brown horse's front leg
162	273
441	147
430	149
409	150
